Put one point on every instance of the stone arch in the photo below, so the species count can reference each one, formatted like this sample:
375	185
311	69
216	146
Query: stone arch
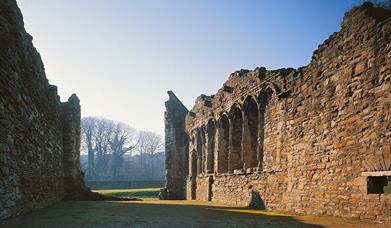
273	87
210	132
236	137
234	107
223	144
250	133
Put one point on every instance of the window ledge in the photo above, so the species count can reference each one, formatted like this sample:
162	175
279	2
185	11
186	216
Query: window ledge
376	174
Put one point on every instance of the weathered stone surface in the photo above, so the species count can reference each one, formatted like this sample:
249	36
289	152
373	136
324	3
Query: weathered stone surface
301	138
176	146
39	135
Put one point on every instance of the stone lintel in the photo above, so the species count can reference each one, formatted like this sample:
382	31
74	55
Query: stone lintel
376	174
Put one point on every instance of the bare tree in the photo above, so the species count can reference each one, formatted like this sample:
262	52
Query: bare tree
122	141
88	125
108	142
101	139
149	144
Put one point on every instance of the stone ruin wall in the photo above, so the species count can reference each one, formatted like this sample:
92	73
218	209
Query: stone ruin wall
176	144
301	140
39	135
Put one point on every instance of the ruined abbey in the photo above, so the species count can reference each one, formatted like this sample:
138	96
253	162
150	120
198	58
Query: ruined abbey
39	134
312	140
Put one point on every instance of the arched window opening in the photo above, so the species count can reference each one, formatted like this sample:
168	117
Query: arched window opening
211	147
223	144
199	148
250	139
235	157
194	174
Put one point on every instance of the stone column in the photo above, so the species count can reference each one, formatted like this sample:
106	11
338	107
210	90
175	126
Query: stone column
191	151
199	164
207	152
261	136
230	148
216	153
204	150
246	143
210	145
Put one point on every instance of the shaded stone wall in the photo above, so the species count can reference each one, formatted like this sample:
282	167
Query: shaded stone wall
70	117
302	140
39	135
176	145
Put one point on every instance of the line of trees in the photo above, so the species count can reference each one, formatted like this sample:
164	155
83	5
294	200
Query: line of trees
117	151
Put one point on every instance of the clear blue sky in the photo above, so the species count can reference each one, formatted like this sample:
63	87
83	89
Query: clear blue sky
121	56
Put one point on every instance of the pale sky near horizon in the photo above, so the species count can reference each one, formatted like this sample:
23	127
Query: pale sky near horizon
121	56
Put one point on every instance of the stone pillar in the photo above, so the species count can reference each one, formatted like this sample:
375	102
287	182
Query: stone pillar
176	149
230	148
209	153
218	155
73	177
204	151
199	164
71	137
261	135
210	145
191	168
246	143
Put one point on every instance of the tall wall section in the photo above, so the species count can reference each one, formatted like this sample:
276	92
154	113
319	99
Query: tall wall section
176	145
304	140
35	127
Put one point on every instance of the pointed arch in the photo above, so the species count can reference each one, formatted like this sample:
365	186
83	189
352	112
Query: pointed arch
273	87
211	131
199	148
250	134
223	144
232	110
236	137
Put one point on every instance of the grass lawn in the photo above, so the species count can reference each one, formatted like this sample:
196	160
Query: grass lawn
143	194
149	212
387	189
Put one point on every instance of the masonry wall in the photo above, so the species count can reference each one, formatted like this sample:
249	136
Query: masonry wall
302	140
176	145
34	132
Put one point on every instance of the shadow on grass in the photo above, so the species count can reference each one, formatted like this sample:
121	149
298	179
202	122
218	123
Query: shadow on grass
152	214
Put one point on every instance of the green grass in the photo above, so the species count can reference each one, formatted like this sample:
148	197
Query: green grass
164	213
145	193
387	189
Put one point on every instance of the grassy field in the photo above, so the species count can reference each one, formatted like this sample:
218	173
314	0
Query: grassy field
149	212
142	194
387	189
